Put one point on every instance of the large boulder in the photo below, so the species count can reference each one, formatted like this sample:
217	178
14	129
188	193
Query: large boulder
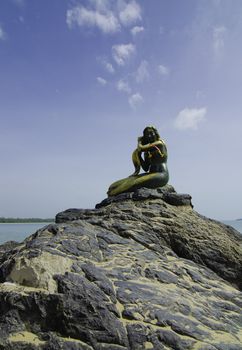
141	271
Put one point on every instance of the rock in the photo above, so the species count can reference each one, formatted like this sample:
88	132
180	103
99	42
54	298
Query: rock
166	193
141	271
7	246
6	251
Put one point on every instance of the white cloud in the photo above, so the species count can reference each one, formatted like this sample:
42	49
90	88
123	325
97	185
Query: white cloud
101	5
137	29
163	70
2	34
130	14
189	118
81	16
142	72
102	81
218	39
135	100
109	67
122	53
123	86
108	16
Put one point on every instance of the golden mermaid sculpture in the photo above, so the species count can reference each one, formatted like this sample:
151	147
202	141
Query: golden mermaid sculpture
151	156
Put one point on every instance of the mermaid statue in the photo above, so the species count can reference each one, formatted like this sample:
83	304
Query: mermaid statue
151	156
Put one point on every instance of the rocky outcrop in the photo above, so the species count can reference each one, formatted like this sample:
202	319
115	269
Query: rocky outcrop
141	271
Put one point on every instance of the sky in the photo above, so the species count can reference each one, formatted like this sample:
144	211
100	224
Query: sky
81	79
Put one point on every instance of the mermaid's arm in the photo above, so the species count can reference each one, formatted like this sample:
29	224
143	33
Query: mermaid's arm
145	163
146	147
136	161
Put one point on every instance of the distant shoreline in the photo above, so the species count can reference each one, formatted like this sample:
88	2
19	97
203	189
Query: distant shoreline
25	220
28	222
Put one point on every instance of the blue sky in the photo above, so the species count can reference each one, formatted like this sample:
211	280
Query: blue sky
80	80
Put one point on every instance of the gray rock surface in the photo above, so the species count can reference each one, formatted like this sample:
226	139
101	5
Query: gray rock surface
141	271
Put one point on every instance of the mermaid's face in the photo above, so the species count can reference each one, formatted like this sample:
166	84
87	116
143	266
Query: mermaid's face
150	135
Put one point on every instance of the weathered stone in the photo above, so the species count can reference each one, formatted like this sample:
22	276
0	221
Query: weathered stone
177	199
143	271
8	246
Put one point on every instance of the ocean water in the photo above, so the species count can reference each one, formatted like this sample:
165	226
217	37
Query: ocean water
18	232
237	224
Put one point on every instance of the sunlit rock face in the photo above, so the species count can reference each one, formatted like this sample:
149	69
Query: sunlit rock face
141	271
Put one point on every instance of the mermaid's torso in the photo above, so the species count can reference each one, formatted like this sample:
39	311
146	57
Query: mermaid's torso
158	168
155	160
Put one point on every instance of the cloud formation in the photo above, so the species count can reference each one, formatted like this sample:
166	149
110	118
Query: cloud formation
142	73
131	13
123	86
135	100
101	81
122	53
163	70
82	16
189	118
137	29
109	67
107	16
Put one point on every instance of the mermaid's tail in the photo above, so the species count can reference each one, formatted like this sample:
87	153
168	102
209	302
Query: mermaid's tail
121	186
132	183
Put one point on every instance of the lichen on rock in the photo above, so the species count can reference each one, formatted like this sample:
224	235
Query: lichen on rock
141	271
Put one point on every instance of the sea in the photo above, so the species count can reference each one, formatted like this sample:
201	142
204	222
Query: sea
18	232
